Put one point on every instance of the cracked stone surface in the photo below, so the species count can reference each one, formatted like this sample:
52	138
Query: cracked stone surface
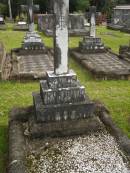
94	153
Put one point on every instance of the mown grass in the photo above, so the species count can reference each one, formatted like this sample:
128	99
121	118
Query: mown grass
114	94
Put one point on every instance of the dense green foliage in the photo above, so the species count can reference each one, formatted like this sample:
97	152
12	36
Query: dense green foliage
3	9
104	6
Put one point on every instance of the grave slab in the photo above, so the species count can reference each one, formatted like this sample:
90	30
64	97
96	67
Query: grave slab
30	64
104	66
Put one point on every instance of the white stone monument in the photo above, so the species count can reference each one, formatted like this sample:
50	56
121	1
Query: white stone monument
61	107
61	13
93	22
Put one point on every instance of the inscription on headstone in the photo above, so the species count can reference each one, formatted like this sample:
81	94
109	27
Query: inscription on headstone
61	11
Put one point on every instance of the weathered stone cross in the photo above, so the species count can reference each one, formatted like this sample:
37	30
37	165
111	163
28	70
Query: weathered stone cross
93	21
61	12
30	15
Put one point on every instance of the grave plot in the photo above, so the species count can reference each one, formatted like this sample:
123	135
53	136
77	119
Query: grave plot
95	151
33	59
30	64
64	131
103	65
99	60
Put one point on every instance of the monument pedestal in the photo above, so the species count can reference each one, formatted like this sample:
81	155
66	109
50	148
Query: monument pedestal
61	104
91	45
32	41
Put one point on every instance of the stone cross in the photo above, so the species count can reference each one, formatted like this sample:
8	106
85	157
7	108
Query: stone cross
61	13
93	22
30	15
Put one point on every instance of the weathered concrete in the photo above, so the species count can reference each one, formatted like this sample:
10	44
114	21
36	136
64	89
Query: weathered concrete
30	64
103	66
120	18
31	16
77	24
22	153
61	12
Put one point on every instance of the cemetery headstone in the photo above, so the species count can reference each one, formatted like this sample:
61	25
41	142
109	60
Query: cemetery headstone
92	44
120	18
61	99
77	24
32	40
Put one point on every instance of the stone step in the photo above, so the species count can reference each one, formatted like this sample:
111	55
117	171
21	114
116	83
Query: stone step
61	95
61	112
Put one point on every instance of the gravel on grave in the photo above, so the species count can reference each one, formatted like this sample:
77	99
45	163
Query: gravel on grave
94	153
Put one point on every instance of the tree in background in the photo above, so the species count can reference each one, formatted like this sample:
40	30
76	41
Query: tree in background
104	6
3	9
82	5
10	9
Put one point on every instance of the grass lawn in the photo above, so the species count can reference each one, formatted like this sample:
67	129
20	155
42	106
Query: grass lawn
114	94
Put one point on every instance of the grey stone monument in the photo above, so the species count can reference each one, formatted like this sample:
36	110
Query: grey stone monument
92	44
61	107
30	16
32	40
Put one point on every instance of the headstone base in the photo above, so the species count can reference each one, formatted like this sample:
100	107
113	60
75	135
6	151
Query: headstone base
32	41
62	99
91	45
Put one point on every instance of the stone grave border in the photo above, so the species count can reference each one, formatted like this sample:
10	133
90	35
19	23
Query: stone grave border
23	76
99	75
17	153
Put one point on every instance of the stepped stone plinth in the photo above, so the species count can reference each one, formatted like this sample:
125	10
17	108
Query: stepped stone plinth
32	41
62	98
91	45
